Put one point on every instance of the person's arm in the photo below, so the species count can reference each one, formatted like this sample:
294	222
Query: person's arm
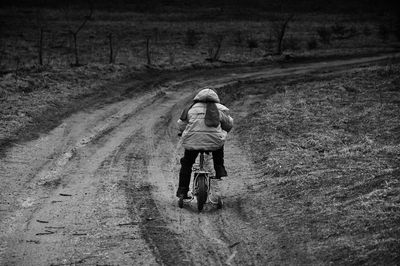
226	121
181	126
184	119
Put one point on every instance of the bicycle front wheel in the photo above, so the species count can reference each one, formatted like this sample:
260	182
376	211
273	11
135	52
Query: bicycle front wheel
201	192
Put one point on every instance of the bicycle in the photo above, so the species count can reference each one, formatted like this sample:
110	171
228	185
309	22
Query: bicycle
201	186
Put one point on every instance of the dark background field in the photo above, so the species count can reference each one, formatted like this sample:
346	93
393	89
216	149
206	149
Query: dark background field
352	6
183	33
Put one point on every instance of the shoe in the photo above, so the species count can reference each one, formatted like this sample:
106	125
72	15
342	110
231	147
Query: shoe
220	172
184	196
182	192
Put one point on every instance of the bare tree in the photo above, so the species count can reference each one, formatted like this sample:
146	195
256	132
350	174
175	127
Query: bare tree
41	25
279	27
215	49
156	34
111	48
75	32
192	37
41	47
148	38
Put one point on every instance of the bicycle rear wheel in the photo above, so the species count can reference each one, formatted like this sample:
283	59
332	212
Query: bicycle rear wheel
201	191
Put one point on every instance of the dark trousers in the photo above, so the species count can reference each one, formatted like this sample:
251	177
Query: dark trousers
187	162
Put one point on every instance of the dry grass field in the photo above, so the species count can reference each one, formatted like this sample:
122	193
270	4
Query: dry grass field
183	38
328	147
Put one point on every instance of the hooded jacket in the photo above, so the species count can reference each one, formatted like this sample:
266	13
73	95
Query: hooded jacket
205	122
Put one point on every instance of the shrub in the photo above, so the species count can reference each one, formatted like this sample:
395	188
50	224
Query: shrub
367	31
312	44
397	26
268	44
352	31
252	43
214	51
325	34
338	29
390	70
292	43
192	38
238	38
383	32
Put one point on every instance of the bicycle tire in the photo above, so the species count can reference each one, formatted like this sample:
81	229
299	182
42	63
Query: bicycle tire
201	192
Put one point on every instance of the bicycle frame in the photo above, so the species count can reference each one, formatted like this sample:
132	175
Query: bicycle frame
201	172
201	186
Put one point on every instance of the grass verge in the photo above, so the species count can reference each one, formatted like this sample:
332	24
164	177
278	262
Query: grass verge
328	147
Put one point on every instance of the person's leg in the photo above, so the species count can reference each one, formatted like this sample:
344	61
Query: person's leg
187	162
218	158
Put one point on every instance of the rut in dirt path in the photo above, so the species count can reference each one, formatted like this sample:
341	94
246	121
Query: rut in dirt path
84	218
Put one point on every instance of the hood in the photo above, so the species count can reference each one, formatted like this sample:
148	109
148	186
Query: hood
207	95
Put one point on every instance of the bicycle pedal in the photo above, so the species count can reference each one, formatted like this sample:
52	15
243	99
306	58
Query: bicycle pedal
216	200
187	198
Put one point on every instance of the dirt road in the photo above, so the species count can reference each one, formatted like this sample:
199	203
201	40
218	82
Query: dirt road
100	188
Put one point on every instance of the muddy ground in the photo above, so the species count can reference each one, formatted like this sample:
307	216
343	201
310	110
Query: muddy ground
99	189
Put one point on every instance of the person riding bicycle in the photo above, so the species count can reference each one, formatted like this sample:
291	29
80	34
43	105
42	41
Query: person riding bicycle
203	126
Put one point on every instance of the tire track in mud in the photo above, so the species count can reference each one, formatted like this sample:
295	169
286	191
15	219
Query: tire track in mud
162	241
133	154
